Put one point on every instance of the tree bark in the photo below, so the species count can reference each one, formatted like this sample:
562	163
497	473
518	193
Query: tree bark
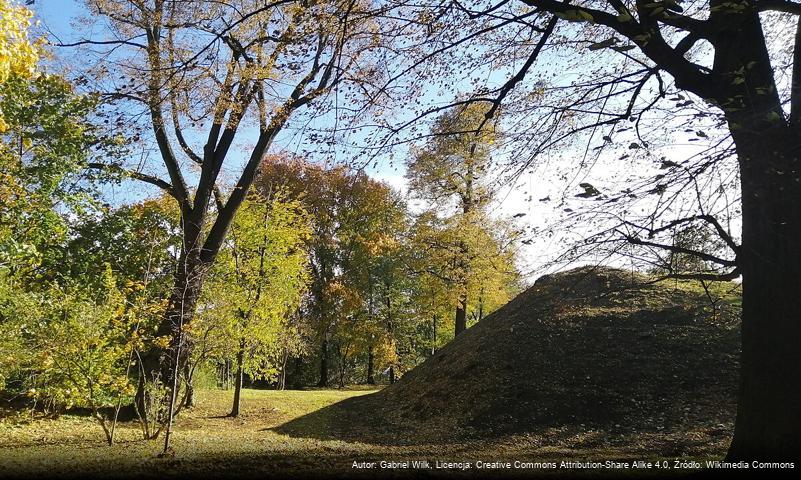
240	378
461	315
768	425
157	363
460	324
370	367
323	363
190	387
434	335
190	396
768	145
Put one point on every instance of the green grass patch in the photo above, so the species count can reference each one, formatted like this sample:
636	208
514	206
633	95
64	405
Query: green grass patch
208	444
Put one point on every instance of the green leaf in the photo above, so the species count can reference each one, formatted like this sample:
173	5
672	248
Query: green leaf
575	16
604	44
624	48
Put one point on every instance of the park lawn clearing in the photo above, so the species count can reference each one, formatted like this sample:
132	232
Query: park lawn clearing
587	365
208	444
203	437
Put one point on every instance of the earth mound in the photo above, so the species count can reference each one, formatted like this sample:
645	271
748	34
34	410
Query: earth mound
598	349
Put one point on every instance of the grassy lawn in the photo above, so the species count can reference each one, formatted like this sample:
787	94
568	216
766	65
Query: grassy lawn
208	444
202	436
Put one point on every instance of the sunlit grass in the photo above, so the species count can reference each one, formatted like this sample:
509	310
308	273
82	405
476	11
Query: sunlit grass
207	443
76	443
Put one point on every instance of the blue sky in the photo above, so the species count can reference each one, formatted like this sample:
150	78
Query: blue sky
56	15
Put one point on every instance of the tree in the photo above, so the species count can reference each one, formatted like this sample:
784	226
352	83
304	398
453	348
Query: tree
461	258
353	218
740	83
140	242
45	145
18	55
47	137
207	72
454	165
62	344
431	297
375	268
625	53
257	285
73	347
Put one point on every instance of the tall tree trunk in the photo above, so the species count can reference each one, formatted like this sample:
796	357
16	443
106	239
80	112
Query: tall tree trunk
282	378
370	305
297	374
461	314
460	323
157	363
240	378
189	373
370	367
768	425
323	363
434	336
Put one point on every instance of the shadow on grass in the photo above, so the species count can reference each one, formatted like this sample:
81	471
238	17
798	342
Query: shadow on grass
354	419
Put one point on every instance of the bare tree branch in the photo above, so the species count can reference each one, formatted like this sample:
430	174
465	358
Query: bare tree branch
151	179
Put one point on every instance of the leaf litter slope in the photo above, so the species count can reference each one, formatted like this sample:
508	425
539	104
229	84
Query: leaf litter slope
591	349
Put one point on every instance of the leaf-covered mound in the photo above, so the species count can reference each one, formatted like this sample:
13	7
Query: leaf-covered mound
592	348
